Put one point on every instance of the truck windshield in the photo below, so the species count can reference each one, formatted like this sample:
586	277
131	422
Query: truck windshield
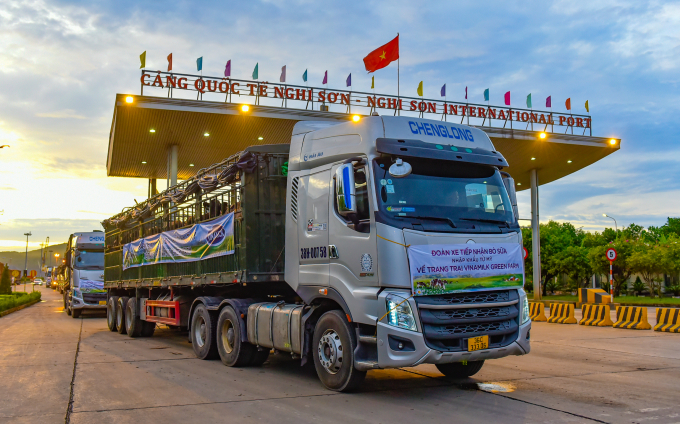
90	259
442	193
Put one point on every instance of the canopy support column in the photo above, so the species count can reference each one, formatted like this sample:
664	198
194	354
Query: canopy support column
535	235
172	165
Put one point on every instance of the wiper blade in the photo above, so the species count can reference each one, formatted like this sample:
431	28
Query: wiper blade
429	218
492	221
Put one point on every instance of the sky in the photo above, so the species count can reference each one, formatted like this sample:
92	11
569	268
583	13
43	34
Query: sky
62	63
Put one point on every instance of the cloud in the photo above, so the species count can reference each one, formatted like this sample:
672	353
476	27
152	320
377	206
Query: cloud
61	114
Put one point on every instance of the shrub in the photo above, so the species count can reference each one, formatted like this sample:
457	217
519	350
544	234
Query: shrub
638	286
674	289
5	282
9	302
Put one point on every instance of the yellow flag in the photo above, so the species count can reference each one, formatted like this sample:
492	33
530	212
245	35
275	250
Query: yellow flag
420	89
142	59
587	108
373	82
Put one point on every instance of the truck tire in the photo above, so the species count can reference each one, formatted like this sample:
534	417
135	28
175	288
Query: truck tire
457	370
75	313
148	328
120	314
111	306
333	347
203	330
133	325
260	357
67	307
233	352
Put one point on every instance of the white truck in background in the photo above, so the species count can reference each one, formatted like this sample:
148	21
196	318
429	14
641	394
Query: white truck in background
84	273
397	244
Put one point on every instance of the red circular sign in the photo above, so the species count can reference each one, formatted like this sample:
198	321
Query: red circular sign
611	254
526	253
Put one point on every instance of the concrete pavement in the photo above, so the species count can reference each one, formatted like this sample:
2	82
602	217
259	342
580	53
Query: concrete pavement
573	374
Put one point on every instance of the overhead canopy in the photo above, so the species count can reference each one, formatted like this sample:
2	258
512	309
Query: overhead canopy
207	132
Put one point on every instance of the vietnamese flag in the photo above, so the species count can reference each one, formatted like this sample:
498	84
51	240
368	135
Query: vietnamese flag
382	56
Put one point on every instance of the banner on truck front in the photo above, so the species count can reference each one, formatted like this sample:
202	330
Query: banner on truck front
201	241
450	268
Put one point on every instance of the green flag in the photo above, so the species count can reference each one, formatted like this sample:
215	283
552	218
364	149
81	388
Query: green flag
255	71
142	59
486	95
529	101
304	76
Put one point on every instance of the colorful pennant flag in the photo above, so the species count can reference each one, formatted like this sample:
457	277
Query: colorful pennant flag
486	95
255	71
420	89
170	62
587	107
568	103
443	91
304	76
529	101
199	64
382	56
548	101
373	81
325	78
142	60
282	78
227	69
349	80
507	98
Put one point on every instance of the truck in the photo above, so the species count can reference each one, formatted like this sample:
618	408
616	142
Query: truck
83	286
381	242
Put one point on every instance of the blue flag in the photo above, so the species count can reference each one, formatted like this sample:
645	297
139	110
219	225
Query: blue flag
349	80
486	95
304	76
199	64
443	90
529	101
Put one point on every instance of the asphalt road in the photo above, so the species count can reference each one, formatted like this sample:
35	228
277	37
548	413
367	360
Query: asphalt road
573	374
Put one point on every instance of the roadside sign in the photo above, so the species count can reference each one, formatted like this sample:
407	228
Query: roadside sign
611	254
33	273
16	273
526	253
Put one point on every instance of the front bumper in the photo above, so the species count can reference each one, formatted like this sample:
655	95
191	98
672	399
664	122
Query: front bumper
77	303
417	352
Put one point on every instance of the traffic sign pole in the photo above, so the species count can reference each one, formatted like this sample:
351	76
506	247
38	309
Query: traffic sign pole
611	280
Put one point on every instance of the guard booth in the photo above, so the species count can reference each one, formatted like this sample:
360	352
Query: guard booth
179	124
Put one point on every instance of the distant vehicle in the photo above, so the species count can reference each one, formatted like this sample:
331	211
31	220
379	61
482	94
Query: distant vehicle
38	281
84	279
48	277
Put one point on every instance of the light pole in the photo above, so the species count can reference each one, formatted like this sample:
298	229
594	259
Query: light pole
615	225
28	234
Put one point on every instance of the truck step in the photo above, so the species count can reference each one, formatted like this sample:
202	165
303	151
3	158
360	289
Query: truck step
366	365
368	339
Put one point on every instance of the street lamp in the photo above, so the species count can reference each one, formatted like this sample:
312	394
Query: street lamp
615	225
28	234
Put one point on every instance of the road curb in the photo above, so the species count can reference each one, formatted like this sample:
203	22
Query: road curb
18	308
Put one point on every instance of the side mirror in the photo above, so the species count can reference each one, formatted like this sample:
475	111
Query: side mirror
509	183
344	189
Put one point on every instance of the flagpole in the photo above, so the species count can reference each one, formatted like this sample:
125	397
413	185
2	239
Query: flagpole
398	96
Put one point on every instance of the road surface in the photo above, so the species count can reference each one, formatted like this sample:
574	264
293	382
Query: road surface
49	361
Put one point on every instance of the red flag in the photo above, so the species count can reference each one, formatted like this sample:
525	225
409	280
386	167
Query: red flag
568	103
170	62
507	98
382	56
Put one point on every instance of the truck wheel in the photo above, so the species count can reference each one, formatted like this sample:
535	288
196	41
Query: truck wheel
148	328
333	347
120	314
260	357
75	313
67	308
203	326
233	351
133	325
111	305
456	370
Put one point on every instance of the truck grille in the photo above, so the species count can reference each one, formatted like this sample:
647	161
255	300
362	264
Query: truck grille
93	298
448	330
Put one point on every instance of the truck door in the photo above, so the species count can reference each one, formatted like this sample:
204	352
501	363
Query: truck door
354	241
313	228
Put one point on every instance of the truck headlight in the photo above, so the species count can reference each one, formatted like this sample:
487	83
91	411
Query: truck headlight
525	310
77	293
399	313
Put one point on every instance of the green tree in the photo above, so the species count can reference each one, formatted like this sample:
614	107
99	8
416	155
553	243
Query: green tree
648	260
621	269
573	261
555	238
5	281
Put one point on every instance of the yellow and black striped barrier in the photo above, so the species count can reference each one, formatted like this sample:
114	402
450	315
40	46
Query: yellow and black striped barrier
667	320
632	317
537	312
596	315
562	313
593	296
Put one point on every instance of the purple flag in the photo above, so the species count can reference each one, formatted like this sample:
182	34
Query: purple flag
282	78
466	93
548	102
507	98
325	78
227	69
349	80
443	90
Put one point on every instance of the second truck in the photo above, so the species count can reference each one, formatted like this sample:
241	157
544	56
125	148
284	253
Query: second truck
378	243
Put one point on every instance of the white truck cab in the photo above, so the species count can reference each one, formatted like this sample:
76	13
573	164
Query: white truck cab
367	200
84	273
